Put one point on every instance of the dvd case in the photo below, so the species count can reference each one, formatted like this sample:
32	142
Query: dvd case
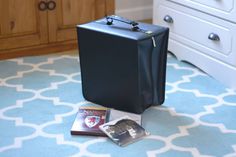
88	120
123	131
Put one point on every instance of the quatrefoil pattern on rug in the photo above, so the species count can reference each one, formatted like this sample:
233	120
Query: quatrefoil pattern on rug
40	97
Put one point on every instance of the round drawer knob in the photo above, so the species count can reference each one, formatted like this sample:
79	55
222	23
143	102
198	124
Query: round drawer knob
168	19
42	6
51	5
213	37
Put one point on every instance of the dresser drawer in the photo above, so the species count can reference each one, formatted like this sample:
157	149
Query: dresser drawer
225	9
193	29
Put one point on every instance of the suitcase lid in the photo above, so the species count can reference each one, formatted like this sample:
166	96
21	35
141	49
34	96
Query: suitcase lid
124	30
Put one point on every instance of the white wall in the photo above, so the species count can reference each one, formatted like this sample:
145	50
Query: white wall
134	9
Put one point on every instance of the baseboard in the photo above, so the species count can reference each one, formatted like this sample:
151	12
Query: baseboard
138	13
39	50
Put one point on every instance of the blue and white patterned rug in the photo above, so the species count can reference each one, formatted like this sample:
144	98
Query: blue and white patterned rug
39	98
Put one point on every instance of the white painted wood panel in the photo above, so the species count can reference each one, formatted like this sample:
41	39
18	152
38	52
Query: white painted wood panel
195	29
225	9
189	36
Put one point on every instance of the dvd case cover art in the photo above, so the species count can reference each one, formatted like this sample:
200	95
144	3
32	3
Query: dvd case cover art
88	120
123	131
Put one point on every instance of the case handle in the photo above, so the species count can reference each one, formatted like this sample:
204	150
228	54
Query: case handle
111	18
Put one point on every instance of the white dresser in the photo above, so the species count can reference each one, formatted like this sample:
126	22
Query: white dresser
202	32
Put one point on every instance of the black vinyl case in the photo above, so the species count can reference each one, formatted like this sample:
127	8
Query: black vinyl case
123	66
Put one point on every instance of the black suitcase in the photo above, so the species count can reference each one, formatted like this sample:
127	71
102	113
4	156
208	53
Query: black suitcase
123	63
